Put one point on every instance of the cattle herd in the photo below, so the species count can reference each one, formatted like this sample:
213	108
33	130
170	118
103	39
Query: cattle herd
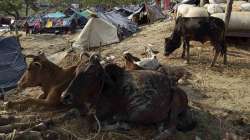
140	92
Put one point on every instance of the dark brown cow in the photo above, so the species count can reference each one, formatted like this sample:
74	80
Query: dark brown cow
200	29
51	78
139	96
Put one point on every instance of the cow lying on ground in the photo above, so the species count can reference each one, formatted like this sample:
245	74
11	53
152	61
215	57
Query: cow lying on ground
175	73
137	96
132	62
52	79
200	29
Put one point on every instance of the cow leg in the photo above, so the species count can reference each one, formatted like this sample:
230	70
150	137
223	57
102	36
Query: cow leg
184	50
170	131
178	106
30	102
225	54
186	42
215	57
225	59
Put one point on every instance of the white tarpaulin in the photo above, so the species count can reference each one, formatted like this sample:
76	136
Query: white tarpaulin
239	21
96	31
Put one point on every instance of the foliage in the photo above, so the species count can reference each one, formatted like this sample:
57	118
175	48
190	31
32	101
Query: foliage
86	3
11	7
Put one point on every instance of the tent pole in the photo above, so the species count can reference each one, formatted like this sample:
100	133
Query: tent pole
99	51
228	13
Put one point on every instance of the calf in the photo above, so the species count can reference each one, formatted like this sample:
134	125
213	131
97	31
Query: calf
200	29
51	78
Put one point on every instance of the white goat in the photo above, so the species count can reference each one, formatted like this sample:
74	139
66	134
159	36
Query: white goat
149	63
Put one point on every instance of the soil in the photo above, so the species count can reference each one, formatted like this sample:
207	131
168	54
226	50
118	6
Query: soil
219	97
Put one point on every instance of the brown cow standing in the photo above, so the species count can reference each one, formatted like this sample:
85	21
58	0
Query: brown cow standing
51	78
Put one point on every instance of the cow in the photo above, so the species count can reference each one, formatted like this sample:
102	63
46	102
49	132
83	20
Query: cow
137	96
52	79
200	29
132	62
196	12
175	73
182	9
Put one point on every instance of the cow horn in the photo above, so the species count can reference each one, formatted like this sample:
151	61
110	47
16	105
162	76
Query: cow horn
84	53
39	64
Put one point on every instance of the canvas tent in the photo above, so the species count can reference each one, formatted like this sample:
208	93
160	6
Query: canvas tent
146	13
154	12
125	26
12	63
87	13
96	31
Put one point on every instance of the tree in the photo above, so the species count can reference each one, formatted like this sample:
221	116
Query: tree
28	3
11	7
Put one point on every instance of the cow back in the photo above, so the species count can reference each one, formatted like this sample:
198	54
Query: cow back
201	28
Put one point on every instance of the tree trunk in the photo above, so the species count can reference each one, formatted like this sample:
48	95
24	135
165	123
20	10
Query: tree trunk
228	13
27	10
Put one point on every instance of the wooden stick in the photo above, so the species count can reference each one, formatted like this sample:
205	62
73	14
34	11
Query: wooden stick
228	13
19	126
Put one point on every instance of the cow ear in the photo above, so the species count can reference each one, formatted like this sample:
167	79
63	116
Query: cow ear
35	65
41	55
166	40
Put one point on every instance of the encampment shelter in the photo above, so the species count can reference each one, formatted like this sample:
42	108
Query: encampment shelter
87	13
12	63
96	31
125	26
55	15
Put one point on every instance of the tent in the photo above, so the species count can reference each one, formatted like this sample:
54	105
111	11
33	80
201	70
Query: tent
55	15
87	13
146	13
12	63
154	12
96	31
125	26
81	19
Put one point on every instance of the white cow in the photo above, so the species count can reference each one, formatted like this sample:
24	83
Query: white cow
186	10
196	12
183	8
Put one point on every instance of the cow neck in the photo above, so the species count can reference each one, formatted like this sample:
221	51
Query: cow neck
58	76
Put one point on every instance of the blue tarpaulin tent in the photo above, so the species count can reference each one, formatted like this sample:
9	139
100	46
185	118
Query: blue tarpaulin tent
123	24
55	15
12	63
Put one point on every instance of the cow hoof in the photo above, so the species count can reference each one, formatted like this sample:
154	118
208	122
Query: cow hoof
186	62
165	135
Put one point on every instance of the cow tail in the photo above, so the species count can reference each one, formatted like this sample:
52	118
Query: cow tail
223	43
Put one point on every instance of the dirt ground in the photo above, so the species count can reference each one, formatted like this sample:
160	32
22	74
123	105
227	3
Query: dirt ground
219	97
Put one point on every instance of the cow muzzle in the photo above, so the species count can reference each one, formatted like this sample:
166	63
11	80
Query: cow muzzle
166	53
66	98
